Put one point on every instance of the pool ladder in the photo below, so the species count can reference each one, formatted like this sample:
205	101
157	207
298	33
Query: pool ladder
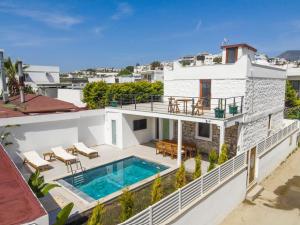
78	173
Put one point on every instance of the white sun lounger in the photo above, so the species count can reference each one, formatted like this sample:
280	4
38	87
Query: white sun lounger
61	154
34	160
84	150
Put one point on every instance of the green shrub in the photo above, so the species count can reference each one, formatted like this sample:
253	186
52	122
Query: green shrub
180	177
212	158
157	192
127	203
224	154
197	172
97	215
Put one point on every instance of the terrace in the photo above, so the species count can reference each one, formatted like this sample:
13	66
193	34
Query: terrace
196	107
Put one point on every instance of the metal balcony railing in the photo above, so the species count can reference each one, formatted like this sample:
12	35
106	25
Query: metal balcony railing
181	105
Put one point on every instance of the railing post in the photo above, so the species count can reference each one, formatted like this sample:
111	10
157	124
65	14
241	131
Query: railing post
219	173
121	103
193	106
151	103
242	99
134	102
179	200
150	215
225	108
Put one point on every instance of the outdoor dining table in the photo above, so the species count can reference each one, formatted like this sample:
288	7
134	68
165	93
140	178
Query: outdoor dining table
185	101
187	147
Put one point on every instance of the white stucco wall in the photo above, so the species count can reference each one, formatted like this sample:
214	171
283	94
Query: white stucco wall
74	96
42	74
212	209
187	88
272	159
40	134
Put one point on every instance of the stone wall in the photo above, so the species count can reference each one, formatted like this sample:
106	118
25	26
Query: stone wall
189	135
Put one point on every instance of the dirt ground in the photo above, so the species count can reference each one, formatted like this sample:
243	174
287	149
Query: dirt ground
278	204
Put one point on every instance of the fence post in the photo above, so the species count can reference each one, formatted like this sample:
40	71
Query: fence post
150	215
193	106
134	102
219	173
225	108
179	200
151	103
242	99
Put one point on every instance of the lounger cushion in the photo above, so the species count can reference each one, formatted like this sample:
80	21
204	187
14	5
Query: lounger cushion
35	159
83	148
61	153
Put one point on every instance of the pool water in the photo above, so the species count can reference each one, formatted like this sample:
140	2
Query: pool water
104	180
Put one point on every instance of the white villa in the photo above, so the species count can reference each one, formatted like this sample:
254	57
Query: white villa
238	102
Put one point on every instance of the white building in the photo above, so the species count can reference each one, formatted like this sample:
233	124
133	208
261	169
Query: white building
293	75
36	75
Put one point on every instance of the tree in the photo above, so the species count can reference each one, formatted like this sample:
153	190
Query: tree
125	72
127	203
217	60
291	99
94	94
156	193
197	172
63	215
38	185
4	134
11	70
212	158
97	215
155	64
224	154
180	177
130	68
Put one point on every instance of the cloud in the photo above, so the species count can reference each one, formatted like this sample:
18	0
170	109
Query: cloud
98	30
123	10
198	25
53	19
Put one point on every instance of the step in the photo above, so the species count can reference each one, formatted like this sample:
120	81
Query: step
254	192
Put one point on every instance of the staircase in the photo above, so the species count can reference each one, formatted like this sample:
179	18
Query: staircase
78	172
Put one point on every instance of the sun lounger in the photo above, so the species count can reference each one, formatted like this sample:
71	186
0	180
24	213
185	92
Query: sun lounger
61	154
84	150
34	160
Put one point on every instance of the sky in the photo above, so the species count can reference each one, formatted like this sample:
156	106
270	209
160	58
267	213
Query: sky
78	34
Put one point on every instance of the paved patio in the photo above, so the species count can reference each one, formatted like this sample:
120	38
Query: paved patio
59	197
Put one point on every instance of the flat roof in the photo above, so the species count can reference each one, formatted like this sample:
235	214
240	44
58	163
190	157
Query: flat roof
243	45
18	204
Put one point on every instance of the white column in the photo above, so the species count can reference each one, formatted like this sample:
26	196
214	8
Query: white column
179	142
222	137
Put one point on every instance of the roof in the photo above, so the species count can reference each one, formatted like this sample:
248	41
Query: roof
34	104
243	45
18	205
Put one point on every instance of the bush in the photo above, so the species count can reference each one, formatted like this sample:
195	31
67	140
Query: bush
180	177
197	172
157	192
224	154
97	215
212	158
127	203
99	94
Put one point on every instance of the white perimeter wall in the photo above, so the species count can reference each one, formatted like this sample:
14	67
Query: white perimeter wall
40	133
270	160
216	206
74	96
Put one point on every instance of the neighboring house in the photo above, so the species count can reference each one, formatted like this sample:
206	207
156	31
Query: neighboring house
153	75
43	79
256	92
113	79
293	75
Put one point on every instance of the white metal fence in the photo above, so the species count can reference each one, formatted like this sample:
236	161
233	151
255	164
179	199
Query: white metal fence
182	198
276	138
178	200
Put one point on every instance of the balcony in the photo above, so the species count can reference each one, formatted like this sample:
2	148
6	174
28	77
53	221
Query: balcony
209	108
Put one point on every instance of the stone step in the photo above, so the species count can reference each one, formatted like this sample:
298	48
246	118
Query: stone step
253	193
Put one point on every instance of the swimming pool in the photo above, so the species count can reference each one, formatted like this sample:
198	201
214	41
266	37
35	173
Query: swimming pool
101	181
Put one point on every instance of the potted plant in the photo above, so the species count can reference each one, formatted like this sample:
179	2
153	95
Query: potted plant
114	102
233	109
219	111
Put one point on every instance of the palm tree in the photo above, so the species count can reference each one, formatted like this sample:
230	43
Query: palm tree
11	70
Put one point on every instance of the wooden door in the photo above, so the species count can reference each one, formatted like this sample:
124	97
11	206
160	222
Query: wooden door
251	166
205	92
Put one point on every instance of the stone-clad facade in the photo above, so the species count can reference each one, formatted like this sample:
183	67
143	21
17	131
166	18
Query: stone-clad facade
189	135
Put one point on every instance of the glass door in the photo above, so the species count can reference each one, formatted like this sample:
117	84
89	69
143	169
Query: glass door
205	92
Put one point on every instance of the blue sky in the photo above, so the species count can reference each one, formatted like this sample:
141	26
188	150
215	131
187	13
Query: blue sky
76	34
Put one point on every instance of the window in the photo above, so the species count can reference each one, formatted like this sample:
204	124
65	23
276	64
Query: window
140	124
231	55
203	131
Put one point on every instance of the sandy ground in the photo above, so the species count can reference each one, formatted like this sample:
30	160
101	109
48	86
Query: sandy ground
278	204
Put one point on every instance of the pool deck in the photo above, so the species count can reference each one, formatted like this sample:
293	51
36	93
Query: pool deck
61	196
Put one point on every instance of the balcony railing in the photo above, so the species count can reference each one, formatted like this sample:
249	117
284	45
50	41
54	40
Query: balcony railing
181	105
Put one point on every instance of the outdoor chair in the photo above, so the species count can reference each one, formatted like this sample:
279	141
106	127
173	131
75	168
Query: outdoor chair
61	154
198	108
33	159
84	150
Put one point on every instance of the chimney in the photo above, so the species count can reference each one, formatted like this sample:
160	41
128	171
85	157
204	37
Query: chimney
21	81
3	77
